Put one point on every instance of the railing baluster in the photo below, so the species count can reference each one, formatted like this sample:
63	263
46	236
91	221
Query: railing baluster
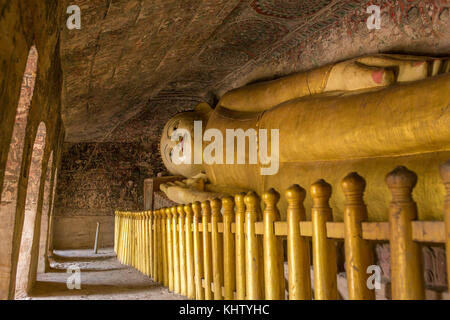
169	247
445	174
159	260
130	239
160	248
126	240
116	228
240	246
133	237
324	249
176	251
299	262
273	249
182	249
198	252
150	244
406	261
253	249
207	259
190	272
154	245
217	248
358	252
138	242
147	244
165	247
229	263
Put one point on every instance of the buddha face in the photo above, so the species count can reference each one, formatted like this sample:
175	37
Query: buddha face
172	147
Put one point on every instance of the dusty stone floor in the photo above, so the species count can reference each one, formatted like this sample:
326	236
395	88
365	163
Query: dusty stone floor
102	278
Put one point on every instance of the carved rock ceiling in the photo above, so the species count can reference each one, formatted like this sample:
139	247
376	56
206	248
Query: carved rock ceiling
130	54
135	54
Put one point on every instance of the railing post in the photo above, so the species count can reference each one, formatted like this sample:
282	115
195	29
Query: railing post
198	251
123	249
240	246
358	252
164	247
253	249
160	248
273	249
130	239
207	259
217	248
190	272
229	264
176	251
125	237
116	228
134	240
324	249
147	243
182	249
169	247
157	244
445	174
406	261
119	237
138	241
299	263
150	244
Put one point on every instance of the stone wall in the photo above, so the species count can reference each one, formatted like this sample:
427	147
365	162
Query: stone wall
95	180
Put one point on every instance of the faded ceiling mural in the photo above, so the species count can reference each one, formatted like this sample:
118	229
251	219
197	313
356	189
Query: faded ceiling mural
180	52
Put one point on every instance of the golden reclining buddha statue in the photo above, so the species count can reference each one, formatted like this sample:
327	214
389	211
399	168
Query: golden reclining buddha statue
367	115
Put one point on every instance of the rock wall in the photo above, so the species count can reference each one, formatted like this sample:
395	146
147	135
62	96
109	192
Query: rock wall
95	180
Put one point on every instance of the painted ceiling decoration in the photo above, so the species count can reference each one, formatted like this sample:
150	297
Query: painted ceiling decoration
288	9
132	55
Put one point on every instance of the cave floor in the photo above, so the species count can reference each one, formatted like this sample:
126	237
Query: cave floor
102	278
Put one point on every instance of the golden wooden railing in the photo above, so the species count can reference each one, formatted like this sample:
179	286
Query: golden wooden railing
198	252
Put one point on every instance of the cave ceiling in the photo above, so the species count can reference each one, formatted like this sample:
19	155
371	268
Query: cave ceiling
167	55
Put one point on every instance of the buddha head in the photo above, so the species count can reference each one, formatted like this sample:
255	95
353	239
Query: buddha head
178	134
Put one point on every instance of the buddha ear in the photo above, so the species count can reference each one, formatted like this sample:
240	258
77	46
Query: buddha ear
204	109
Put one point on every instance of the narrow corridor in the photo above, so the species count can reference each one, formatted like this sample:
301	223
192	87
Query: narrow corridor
102	278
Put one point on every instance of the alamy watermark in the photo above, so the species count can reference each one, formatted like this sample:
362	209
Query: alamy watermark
74	279
374	20
214	153
74	20
374	281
